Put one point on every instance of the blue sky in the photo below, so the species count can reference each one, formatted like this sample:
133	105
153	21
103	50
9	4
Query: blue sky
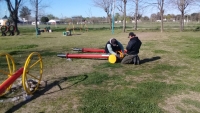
85	8
69	8
65	8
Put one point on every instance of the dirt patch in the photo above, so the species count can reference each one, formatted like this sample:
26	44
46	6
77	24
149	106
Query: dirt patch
172	103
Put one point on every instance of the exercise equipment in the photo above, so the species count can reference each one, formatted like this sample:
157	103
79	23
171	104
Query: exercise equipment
8	30
70	27
31	72
83	26
111	58
90	50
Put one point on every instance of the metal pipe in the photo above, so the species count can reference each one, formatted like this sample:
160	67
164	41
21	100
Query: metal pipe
61	55
91	50
10	80
89	56
77	49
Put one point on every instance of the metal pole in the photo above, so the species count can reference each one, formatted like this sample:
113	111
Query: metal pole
113	18
86	56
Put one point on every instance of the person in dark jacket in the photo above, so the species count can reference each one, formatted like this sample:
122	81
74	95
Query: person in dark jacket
132	48
112	46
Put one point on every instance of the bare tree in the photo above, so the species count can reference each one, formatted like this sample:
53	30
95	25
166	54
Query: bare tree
139	6
107	6
136	13
13	10
182	5
37	5
122	8
160	5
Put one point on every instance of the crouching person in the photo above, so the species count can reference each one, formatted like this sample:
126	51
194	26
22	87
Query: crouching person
132	50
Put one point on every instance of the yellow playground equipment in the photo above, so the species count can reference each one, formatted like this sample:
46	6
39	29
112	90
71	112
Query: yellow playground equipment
84	27
70	27
32	71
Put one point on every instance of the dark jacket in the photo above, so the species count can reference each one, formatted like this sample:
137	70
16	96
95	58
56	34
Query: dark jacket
133	46
114	48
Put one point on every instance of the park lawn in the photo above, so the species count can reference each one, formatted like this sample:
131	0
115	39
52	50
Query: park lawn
167	80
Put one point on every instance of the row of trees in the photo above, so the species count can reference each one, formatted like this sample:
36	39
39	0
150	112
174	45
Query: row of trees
181	5
25	12
110	5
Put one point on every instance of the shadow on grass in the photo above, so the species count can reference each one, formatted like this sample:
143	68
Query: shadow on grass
47	88
149	59
16	52
42	53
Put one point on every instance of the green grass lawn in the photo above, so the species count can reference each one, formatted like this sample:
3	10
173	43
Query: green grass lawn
167	80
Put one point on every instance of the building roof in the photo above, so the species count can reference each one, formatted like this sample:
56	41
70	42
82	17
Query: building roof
54	20
5	17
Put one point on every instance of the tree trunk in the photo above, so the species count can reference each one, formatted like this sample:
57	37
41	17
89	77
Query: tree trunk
36	15
124	22
161	30
109	20
14	12
182	21
136	14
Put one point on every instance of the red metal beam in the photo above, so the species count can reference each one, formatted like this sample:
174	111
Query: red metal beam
91	50
86	56
10	80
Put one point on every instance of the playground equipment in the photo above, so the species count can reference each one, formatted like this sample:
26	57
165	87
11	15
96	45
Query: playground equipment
47	29
74	25
91	50
8	30
84	26
31	72
70	27
111	58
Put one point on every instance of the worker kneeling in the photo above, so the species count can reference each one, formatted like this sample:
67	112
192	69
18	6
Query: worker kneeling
132	50
115	48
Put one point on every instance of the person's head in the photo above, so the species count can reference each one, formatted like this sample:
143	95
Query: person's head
113	41
131	35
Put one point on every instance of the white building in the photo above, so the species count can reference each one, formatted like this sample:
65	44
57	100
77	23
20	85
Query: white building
3	20
33	23
54	21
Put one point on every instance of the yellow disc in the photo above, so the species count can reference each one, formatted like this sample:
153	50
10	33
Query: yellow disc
112	59
32	72
8	68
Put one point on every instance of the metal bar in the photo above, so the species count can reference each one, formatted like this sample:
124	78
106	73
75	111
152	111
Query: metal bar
91	50
89	56
77	49
10	80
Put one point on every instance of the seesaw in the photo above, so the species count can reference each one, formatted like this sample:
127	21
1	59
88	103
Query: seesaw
32	71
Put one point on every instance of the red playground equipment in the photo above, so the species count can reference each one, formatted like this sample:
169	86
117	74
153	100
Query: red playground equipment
31	72
90	50
93	54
